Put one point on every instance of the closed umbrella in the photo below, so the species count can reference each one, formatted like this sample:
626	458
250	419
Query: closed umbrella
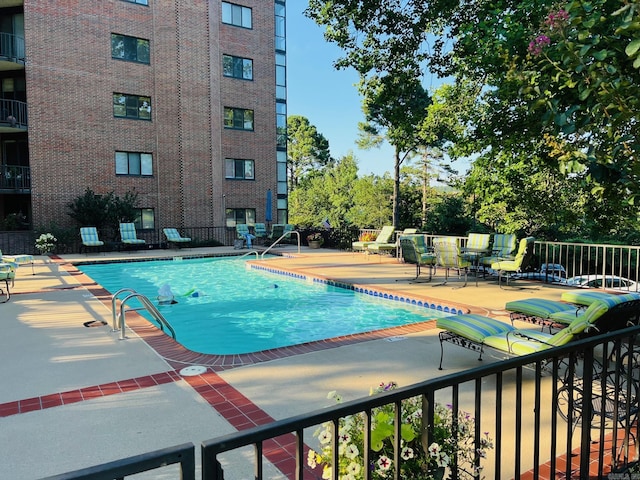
267	215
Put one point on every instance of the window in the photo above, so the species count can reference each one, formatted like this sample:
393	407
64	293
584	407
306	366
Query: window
239	169
236	15
129	48
237	67
239	118
139	2
134	163
281	124
236	216
131	106
145	219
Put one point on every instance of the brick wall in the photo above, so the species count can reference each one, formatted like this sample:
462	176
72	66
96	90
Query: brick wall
72	131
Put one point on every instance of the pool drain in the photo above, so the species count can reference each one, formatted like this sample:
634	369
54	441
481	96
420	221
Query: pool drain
193	370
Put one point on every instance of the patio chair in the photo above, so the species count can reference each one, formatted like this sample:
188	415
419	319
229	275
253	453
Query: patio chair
174	237
476	247
502	248
383	237
128	235
448	256
476	332
90	239
243	233
260	231
505	268
7	272
17	260
414	251
389	246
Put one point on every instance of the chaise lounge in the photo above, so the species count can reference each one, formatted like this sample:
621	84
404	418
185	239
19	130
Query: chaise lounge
475	332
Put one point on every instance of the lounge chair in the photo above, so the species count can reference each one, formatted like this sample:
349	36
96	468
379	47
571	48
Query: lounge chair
128	235
414	251
243	233
502	248
7	272
260	231
173	236
90	239
17	260
277	230
541	311
521	261
383	237
389	246
448	256
476	332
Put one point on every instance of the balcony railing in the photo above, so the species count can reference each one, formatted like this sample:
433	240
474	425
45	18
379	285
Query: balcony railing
15	178
12	48
13	115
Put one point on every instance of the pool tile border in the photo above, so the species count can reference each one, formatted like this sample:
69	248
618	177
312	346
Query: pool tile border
365	290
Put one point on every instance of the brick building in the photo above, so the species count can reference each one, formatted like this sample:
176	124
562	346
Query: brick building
182	101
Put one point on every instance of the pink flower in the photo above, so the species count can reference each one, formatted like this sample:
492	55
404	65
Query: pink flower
536	46
557	19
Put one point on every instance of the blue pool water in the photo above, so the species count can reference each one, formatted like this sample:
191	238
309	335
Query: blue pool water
224	308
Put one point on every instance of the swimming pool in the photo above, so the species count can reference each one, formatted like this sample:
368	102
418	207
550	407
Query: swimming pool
225	308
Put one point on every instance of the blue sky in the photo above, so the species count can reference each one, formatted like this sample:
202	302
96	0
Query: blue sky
326	96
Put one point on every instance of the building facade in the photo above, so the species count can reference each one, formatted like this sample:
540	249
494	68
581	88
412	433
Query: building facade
182	102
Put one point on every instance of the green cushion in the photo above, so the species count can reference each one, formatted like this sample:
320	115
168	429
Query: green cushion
478	241
474	327
539	307
587	297
519	345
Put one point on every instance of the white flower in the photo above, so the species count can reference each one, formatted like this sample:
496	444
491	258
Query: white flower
443	460
325	436
352	451
434	449
384	463
353	469
407	453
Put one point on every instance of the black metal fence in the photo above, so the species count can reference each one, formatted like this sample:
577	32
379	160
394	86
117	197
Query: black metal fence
561	410
180	454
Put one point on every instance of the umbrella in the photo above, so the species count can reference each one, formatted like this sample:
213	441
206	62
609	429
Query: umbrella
267	214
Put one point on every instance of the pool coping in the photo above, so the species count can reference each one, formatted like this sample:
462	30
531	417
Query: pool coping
179	356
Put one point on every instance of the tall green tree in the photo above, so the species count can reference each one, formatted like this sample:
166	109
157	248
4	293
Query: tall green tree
307	149
394	105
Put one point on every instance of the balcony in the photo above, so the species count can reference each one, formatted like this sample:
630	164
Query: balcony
11	51
13	116
15	179
11	3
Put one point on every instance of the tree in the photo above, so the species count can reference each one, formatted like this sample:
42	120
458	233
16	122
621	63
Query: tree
581	74
307	149
105	212
394	106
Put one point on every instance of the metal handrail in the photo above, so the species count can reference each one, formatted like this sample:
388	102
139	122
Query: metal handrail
146	303
249	253
281	238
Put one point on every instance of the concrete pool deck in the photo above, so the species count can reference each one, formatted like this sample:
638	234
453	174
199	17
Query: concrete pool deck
73	395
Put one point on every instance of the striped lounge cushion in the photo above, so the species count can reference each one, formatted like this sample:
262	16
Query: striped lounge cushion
539	307
473	327
587	297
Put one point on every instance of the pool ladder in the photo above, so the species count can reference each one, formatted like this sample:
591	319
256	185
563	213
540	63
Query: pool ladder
146	305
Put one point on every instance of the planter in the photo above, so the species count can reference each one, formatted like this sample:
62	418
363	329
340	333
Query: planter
315	244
